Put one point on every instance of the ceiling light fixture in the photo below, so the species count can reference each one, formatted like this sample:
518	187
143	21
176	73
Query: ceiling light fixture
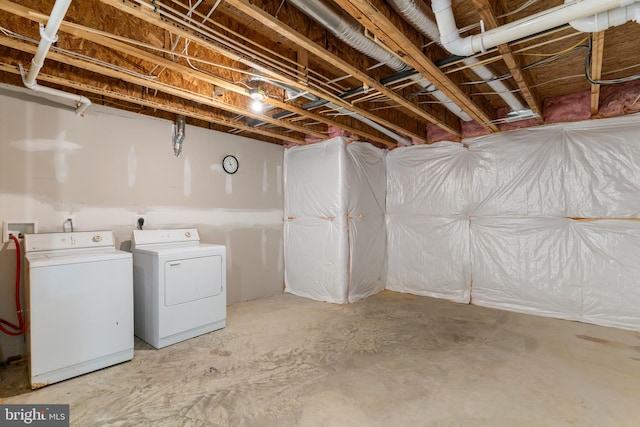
257	106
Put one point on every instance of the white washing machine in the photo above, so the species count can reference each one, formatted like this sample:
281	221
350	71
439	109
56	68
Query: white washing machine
79	301
179	285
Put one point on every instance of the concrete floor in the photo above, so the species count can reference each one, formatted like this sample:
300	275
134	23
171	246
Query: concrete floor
389	360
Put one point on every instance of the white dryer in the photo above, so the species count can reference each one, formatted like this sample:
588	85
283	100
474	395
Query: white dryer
79	300
179	286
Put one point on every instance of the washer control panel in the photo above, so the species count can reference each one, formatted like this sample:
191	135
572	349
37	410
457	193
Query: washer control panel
73	240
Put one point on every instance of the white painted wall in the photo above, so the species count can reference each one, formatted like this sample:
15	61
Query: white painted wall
110	166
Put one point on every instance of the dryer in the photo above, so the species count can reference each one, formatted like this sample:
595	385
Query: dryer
79	301
179	286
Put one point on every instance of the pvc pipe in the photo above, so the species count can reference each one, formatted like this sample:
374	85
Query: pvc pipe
48	36
525	27
604	20
412	11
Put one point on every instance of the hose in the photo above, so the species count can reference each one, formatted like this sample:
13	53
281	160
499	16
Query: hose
21	327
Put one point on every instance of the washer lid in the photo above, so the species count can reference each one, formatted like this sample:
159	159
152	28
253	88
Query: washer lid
64	257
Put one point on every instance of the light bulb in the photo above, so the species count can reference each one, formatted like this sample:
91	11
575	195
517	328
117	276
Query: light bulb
257	106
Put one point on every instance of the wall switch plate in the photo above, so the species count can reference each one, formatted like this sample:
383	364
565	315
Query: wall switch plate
18	227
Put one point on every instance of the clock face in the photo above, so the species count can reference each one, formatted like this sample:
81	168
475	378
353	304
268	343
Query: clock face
230	164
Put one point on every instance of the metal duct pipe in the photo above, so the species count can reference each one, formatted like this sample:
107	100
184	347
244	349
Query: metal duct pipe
178	135
48	36
604	20
414	12
349	32
525	27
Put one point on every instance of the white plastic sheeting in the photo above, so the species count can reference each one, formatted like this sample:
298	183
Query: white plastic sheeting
527	253
584	169
335	243
427	221
429	256
527	265
494	224
558	267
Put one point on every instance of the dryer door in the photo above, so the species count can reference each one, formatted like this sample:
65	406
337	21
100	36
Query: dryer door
190	279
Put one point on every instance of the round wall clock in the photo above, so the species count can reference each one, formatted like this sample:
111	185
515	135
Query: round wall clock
230	164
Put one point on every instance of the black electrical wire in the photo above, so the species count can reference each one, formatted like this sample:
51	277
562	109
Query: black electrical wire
587	71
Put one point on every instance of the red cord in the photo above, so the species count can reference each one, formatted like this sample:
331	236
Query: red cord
21	327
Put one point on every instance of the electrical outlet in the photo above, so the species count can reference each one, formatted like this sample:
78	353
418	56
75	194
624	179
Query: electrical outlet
140	217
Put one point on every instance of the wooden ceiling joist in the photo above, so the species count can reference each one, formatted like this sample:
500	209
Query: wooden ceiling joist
154	19
597	52
145	102
103	39
451	125
488	16
368	13
170	90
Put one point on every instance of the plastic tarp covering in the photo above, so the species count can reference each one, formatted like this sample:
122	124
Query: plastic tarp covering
428	180
527	265
528	254
316	258
366	182
335	243
584	169
610	272
558	267
429	256
427	223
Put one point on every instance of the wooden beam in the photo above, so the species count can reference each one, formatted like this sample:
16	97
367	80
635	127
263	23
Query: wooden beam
487	14
381	26
451	125
597	52
153	104
170	90
154	19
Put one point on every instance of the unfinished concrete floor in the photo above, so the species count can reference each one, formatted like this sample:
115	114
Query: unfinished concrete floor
389	360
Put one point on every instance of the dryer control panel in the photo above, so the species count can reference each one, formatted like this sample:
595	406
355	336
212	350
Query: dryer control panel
153	237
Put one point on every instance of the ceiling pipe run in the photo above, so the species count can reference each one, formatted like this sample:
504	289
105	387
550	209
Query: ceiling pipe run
525	27
48	36
605	20
350	33
413	11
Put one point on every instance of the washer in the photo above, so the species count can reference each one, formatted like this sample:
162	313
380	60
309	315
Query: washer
79	302
179	286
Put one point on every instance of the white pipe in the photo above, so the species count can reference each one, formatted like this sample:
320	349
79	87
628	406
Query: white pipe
349	33
525	27
48	36
412	11
604	20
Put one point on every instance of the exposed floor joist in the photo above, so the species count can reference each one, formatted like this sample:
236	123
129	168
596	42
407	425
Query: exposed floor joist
273	23
597	52
371	17
153	19
487	15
